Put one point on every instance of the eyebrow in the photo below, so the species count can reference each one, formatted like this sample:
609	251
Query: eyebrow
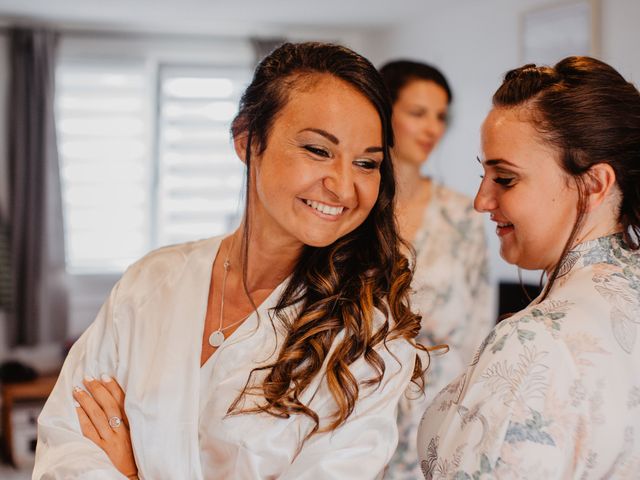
333	139
496	162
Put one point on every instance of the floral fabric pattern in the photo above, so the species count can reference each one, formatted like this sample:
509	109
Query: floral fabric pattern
553	391
454	296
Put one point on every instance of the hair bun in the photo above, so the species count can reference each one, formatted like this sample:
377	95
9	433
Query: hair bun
531	71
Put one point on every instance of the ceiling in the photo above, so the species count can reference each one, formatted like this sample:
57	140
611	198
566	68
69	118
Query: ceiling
213	16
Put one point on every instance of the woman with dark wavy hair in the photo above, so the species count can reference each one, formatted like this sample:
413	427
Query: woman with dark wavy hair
554	390
280	350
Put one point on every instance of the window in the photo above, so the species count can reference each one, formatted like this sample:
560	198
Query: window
200	177
146	156
104	149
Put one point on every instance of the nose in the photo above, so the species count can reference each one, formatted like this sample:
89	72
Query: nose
340	183
485	200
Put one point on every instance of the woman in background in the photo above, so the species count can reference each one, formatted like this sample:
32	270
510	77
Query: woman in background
554	391
280	350
451	284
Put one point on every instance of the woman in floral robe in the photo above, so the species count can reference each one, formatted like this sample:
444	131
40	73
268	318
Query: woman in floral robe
451	287
554	390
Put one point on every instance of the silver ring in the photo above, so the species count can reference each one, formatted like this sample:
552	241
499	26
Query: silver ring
115	422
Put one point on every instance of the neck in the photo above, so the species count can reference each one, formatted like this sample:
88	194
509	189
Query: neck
408	179
591	229
268	261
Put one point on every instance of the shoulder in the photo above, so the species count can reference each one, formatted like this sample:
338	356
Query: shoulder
164	264
452	199
533	336
456	207
396	348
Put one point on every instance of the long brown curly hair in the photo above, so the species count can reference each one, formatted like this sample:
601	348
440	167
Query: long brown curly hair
338	288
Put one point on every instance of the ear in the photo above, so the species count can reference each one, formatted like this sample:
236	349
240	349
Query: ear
240	145
600	183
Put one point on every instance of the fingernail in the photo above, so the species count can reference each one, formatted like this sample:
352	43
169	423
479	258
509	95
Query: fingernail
76	404
88	378
105	378
77	389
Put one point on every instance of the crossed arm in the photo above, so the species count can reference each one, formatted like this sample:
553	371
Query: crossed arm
100	410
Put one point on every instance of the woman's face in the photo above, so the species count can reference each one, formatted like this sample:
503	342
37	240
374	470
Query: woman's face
319	176
419	120
531	199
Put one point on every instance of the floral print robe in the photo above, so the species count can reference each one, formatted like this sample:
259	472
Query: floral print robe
554	390
452	292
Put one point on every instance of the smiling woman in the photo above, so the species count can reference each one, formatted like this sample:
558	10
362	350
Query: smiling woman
281	350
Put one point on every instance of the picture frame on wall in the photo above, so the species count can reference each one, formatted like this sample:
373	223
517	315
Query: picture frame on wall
551	33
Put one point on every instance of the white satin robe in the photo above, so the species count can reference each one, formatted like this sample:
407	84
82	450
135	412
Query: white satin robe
148	335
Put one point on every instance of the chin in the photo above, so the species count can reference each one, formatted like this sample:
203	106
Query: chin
420	159
511	258
520	262
317	244
319	241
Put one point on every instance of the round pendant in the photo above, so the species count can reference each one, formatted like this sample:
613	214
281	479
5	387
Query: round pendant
216	339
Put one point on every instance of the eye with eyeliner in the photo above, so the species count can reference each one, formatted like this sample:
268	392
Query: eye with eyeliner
317	151
367	164
504	181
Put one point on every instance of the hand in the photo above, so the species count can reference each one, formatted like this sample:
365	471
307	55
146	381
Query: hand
104	422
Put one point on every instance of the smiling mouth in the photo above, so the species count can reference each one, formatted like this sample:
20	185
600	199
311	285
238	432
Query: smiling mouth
503	228
324	208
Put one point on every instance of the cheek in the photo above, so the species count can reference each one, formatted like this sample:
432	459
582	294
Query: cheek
403	127
368	192
544	219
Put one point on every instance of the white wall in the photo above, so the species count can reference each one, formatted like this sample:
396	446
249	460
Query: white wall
475	43
621	37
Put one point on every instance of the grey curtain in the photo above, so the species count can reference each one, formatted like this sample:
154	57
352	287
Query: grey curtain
6	277
37	240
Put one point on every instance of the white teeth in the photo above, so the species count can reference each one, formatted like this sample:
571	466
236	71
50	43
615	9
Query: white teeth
505	224
326	209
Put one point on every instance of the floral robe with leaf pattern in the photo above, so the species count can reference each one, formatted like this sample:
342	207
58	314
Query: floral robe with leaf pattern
452	292
553	391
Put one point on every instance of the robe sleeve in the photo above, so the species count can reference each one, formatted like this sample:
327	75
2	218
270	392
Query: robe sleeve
62	451
511	414
361	447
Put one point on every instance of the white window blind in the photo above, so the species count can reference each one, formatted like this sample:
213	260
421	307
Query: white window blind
146	157
103	142
200	178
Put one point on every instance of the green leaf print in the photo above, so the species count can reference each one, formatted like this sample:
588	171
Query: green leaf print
485	464
524	335
531	431
462	476
499	345
485	467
